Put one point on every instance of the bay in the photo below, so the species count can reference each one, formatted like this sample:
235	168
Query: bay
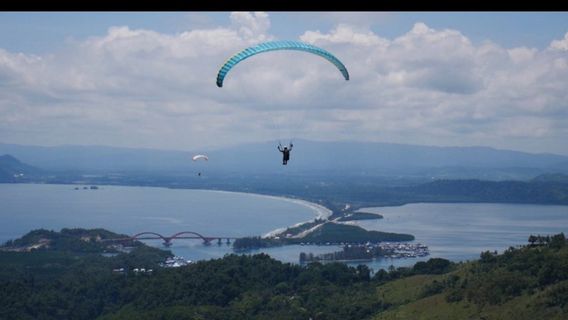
131	210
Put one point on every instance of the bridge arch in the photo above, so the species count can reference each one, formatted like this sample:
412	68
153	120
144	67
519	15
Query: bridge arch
134	237
174	236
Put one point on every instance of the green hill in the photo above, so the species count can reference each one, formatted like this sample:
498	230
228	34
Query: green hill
526	283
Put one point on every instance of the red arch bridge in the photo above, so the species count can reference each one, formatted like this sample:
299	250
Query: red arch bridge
149	235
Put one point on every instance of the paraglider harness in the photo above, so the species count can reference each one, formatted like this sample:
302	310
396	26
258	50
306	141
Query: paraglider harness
285	152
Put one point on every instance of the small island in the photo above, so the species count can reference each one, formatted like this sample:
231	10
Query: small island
320	232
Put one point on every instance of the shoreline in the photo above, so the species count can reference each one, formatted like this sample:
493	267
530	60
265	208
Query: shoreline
320	211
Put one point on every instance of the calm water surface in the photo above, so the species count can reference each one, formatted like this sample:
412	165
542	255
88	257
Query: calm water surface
461	231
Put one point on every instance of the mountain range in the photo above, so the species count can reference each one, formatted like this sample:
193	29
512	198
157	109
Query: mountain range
307	157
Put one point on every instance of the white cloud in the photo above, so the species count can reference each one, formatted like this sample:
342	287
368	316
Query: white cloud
364	20
134	87
522	55
344	34
252	26
560	44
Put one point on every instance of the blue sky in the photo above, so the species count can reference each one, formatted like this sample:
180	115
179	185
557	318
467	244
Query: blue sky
46	31
148	79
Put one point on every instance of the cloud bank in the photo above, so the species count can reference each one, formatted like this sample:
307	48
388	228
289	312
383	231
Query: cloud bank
141	88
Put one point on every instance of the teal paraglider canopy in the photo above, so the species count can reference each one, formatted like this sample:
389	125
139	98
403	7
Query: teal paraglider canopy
278	45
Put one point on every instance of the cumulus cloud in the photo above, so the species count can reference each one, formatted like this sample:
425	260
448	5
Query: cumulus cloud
142	88
561	44
346	35
252	26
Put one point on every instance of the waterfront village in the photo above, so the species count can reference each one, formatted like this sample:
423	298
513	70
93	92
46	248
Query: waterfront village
175	262
172	262
370	251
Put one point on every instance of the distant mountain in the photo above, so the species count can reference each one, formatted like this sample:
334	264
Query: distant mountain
307	157
365	158
96	158
552	177
13	170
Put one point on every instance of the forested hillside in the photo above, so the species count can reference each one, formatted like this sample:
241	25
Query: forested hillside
522	283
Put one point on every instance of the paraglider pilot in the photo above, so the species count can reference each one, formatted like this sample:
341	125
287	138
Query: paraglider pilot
285	153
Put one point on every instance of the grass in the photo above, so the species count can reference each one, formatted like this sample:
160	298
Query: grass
404	296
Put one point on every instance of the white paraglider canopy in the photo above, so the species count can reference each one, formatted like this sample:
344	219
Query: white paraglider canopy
200	157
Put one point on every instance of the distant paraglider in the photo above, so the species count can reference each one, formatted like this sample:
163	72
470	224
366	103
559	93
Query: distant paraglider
201	157
278	45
